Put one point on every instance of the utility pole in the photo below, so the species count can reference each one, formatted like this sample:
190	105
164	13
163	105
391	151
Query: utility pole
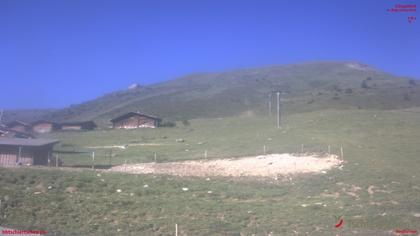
269	104
1	115
278	110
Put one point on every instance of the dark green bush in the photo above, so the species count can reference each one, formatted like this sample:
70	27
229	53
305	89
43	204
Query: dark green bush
186	122
168	124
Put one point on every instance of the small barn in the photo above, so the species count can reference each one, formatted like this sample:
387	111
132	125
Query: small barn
44	126
19	151
83	125
134	120
18	126
5	132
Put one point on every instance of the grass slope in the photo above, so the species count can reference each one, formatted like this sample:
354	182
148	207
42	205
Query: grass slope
380	149
309	87
25	115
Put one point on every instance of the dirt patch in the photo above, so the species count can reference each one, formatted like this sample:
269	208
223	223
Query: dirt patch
266	166
41	188
371	190
71	189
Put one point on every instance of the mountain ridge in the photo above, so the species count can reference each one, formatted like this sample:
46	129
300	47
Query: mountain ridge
309	86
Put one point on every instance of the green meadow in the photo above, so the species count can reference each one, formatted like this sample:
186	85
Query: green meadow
376	191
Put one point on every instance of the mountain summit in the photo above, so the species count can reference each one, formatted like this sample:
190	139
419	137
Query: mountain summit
307	86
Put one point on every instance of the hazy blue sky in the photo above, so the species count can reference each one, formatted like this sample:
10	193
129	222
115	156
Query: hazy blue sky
54	53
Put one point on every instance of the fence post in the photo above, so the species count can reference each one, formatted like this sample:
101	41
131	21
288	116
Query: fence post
93	160
110	156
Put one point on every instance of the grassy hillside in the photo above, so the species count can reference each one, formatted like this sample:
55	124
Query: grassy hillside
377	191
370	113
242	136
308	87
26	115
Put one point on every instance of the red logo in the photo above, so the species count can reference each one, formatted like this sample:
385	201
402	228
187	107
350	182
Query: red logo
405	231
339	220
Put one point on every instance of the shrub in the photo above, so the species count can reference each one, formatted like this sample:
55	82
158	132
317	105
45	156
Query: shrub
185	122
337	88
168	124
364	85
349	90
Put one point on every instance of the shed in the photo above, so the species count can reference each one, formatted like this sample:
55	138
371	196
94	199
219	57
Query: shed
44	126
18	126
19	151
5	132
134	120
82	125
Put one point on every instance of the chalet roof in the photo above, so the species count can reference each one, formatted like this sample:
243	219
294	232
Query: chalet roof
16	122
130	114
26	142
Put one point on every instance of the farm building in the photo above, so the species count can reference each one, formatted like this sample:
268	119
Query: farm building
19	151
18	126
5	132
134	120
44	126
84	125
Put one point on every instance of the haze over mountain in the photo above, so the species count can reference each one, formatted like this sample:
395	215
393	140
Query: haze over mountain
305	87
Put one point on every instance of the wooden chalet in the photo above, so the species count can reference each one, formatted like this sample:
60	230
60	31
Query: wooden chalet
134	120
83	125
44	126
5	132
18	126
19	151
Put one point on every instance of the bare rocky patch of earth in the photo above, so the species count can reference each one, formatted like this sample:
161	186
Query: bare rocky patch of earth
271	165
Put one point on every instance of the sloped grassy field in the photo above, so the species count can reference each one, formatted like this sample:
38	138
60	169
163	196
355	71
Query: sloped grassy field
308	87
377	190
